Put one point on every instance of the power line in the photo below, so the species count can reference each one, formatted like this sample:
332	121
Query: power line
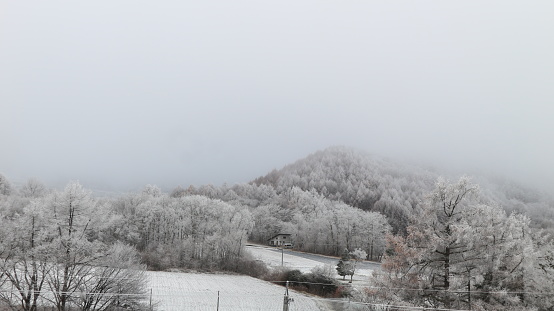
389	306
46	292
233	295
292	283
300	282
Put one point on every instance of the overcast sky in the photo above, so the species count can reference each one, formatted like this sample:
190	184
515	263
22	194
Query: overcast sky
121	93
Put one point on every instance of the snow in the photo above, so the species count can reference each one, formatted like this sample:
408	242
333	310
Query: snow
195	291
272	258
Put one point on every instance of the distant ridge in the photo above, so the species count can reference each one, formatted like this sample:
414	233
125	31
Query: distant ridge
392	188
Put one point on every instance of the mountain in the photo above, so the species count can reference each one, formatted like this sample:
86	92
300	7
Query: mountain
393	188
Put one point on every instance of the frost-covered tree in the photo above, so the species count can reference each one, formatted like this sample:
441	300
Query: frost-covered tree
266	223
438	235
73	216
345	266
356	255
348	262
152	190
5	186
117	281
56	244
436	252
33	188
189	231
25	256
461	253
178	192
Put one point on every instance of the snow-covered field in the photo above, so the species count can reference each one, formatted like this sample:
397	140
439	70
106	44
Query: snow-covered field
173	291
196	291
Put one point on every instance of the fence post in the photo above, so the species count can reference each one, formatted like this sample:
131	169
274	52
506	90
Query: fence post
286	298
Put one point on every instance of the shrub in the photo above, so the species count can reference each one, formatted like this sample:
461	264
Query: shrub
313	282
254	268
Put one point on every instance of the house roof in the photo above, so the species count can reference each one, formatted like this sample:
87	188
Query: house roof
273	237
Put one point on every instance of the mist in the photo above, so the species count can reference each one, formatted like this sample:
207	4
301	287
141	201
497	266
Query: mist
119	94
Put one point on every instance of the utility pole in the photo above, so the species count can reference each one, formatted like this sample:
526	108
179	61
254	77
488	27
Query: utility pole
286	299
151	300
469	288
282	255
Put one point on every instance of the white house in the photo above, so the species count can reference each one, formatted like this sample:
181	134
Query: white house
281	239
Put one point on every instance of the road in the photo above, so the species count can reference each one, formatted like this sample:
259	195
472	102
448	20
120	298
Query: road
326	260
275	258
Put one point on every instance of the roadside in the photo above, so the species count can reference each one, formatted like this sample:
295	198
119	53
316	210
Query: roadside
276	257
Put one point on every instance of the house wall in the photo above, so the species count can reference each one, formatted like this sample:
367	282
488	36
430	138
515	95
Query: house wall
280	240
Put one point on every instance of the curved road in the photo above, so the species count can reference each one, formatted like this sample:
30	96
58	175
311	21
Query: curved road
328	260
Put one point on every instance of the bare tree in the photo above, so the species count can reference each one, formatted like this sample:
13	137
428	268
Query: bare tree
116	281
24	258
54	246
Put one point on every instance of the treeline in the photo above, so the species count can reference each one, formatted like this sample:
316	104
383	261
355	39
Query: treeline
188	232
67	250
207	227
316	223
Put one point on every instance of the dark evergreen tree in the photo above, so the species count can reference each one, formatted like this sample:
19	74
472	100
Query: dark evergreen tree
345	265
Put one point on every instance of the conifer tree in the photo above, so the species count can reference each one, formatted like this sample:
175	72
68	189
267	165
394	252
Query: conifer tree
345	266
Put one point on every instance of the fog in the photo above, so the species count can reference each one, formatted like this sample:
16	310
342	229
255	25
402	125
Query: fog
119	94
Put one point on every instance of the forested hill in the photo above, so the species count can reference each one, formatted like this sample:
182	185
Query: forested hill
358	179
394	189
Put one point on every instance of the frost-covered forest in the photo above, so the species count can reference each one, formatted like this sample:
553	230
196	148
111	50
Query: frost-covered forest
438	240
395	189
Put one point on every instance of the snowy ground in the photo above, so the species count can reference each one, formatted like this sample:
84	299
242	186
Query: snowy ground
273	257
173	291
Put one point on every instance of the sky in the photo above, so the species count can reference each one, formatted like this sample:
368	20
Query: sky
120	94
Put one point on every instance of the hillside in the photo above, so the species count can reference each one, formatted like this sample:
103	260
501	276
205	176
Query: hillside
392	188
